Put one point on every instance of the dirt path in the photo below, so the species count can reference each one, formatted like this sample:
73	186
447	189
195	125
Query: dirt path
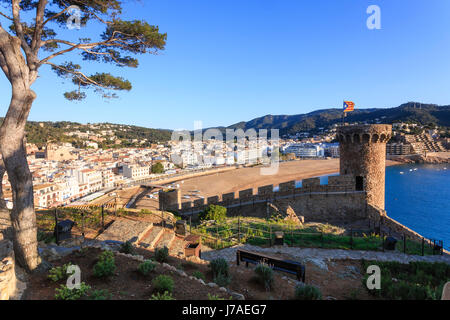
320	257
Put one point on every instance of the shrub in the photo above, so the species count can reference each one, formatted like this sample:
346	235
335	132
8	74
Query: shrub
219	266
146	267
214	297
127	247
213	212
307	292
222	280
163	283
199	275
105	266
165	296
264	274
59	273
161	254
100	295
64	293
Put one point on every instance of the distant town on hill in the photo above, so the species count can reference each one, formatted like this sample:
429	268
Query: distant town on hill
108	135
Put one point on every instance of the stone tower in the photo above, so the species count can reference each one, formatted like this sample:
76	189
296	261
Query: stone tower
362	150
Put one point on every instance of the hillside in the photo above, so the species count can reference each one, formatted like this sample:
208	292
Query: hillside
120	135
290	124
41	132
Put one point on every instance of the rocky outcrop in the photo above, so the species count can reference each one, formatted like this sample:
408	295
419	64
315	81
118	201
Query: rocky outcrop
8	282
281	210
419	158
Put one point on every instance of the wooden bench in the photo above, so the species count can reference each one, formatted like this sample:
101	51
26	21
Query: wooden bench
288	266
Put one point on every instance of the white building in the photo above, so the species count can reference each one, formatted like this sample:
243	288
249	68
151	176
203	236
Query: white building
136	172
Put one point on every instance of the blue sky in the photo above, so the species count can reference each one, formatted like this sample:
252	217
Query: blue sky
232	60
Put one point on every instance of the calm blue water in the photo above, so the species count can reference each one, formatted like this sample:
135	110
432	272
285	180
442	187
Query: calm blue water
420	199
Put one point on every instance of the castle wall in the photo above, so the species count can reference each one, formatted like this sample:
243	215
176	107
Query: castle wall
335	201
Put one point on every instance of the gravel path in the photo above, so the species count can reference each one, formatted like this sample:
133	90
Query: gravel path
320	256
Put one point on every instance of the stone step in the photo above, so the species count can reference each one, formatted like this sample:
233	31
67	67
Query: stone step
166	239
126	230
151	238
177	248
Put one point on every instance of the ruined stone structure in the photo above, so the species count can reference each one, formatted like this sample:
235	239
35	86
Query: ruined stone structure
169	199
362	150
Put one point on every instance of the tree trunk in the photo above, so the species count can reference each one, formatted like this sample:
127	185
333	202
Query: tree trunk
23	217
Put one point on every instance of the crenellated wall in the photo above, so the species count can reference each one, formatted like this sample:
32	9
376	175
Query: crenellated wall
337	200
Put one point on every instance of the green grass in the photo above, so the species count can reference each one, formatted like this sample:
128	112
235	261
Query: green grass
256	231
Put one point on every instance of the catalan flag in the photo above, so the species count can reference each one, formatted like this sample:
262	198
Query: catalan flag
349	106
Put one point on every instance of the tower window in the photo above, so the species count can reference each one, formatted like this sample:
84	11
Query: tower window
359	186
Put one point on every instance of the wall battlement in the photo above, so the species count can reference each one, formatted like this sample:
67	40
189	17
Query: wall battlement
345	183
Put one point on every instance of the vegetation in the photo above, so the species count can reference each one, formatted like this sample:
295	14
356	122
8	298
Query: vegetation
146	267
307	292
127	247
105	266
222	280
213	212
264	274
219	266
164	296
161	254
100	295
59	273
261	232
163	283
64	293
157	168
199	275
413	281
220	270
214	297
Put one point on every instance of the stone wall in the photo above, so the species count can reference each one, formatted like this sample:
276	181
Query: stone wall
8	280
336	201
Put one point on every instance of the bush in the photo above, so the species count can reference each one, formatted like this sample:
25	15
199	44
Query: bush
127	247
214	297
213	212
412	281
219	266
161	254
222	280
264	274
59	273
165	296
64	293
307	292
100	295
146	267
199	275
105	266
163	283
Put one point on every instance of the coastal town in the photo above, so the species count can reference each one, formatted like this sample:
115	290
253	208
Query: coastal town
64	174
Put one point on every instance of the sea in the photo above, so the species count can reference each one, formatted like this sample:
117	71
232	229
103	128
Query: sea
418	196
